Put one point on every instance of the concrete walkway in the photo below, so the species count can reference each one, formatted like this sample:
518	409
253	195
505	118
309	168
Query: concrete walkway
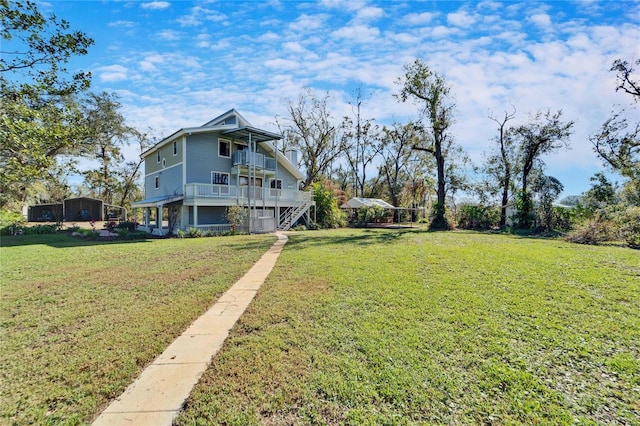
157	396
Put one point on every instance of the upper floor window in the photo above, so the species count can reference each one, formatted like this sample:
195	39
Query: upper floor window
157	182
224	148
175	148
218	178
276	183
158	155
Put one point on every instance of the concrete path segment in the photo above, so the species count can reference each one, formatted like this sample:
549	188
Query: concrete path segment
157	395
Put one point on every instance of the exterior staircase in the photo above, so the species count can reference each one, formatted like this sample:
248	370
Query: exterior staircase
289	216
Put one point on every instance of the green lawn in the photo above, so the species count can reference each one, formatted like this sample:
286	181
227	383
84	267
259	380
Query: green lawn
410	327
81	319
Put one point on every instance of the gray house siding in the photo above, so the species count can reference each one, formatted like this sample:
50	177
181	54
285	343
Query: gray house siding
202	158
170	182
208	215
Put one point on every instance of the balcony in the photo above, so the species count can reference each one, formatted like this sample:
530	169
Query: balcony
245	158
243	193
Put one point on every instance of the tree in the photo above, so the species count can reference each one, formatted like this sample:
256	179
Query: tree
601	194
362	147
544	134
548	189
501	164
37	48
397	142
314	134
128	174
40	117
328	213
108	133
618	142
34	134
625	81
430	90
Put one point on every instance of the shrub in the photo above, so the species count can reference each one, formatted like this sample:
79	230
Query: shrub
235	215
478	217
190	233
371	214
629	225
40	229
87	234
10	222
596	230
329	215
129	226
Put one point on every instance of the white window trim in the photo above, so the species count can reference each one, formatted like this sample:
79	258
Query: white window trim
228	142
220	173
175	148
157	182
158	156
276	185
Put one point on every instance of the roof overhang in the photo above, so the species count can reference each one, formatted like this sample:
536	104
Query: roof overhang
253	134
157	201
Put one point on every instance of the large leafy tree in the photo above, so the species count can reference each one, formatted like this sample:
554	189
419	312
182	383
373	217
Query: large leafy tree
106	137
430	91
545	133
39	120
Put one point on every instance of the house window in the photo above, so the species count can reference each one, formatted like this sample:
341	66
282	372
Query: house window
158	155
164	162
175	148
157	182
276	183
224	148
244	181
218	178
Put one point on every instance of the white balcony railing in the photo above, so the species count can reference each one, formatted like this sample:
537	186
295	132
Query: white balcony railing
246	158
203	190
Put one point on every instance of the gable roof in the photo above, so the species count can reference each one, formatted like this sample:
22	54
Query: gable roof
231	117
234	125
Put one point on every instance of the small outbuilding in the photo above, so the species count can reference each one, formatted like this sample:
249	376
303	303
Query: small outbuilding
45	213
80	209
83	209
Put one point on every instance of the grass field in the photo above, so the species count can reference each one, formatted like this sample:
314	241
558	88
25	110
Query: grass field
81	319
408	327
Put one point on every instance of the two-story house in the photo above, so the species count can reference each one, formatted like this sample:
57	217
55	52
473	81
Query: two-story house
195	174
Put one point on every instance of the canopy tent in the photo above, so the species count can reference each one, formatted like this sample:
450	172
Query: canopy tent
357	202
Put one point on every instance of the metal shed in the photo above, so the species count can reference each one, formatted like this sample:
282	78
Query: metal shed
83	209
45	213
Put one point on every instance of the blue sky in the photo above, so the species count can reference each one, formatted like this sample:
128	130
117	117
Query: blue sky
179	64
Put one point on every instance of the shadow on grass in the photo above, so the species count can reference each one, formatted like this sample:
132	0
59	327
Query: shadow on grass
361	236
59	240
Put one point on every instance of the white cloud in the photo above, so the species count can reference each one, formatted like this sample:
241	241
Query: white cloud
155	5
199	15
169	35
368	14
460	19
306	23
419	18
112	73
542	20
357	34
122	24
